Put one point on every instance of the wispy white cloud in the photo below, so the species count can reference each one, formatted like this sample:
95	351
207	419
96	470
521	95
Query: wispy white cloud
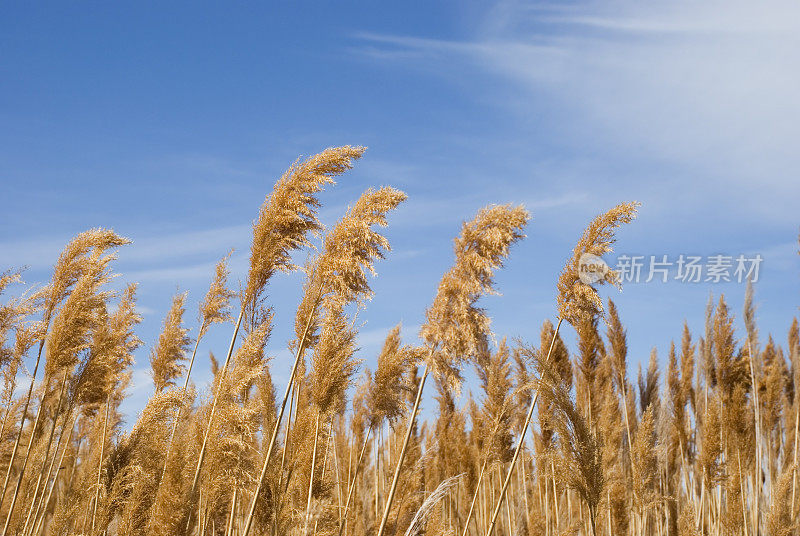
41	252
174	274
207	164
547	203
140	309
707	90
376	336
141	381
781	257
215	241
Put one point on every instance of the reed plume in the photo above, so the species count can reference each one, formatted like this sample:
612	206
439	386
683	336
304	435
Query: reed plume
9	316
289	215
455	327
216	305
69	336
580	458
166	359
576	300
383	397
111	352
781	521
389	386
286	218
332	365
339	277
710	448
494	373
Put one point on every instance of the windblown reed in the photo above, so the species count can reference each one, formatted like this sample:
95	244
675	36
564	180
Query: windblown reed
712	448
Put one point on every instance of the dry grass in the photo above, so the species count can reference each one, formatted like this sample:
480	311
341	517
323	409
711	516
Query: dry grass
710	449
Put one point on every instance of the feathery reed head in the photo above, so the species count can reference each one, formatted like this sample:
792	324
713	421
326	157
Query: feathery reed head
749	316
781	519
289	214
215	307
8	278
353	245
648	384
110	354
385	398
333	366
559	357
249	363
730	369
581	457
338	276
577	300
495	377
455	329
307	316
73	260
166	359
70	333
9	315
617	337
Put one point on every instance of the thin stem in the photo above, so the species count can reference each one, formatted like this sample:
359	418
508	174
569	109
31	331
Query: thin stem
223	372
40	521
521	440
22	426
475	496
509	527
229	526
352	484
311	474
524	484
298	354
794	469
183	395
396	476
28	450
100	465
338	475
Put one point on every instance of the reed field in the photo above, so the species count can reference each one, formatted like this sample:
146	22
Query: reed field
556	440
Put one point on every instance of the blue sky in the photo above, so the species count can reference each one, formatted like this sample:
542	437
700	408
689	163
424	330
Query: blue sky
170	123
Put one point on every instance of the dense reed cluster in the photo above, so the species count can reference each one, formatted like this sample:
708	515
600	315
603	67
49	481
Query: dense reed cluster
555	440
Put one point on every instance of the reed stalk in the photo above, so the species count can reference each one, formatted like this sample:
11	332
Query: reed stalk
411	419
521	439
276	426
215	400
311	475
352	482
100	465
